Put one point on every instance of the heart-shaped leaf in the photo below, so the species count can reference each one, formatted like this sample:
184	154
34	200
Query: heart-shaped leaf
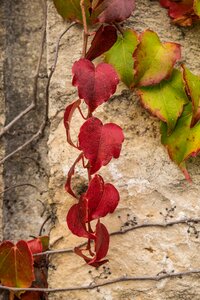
16	264
100	142
116	10
93	84
154	61
181	11
166	99
184	141
193	88
103	40
120	56
101	198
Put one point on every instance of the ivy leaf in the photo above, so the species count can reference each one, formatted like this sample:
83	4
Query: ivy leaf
154	61
180	11
77	218
16	264
120	56
196	7
184	141
31	296
101	247
69	111
71	10
103	40
100	142
93	84
193	88
165	100
116	10
101	198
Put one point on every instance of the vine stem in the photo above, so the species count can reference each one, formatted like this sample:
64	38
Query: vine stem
105	283
124	231
85	29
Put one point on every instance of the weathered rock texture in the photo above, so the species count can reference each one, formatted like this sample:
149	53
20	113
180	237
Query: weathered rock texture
149	183
152	188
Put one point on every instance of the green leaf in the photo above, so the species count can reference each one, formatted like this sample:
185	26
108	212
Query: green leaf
193	88
154	61
184	142
71	10
120	56
16	265
196	7
166	99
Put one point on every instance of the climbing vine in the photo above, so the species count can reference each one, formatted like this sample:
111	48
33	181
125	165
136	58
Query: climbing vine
171	94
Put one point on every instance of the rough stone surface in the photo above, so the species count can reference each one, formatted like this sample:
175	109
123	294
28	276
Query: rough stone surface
149	183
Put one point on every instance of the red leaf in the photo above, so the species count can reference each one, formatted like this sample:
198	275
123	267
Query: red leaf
101	247
95	85
103	40
69	111
16	264
35	246
31	296
100	142
76	219
102	198
116	10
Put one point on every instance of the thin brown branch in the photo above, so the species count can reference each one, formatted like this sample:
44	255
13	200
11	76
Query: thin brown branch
85	29
17	186
40	132
35	83
105	283
123	231
43	224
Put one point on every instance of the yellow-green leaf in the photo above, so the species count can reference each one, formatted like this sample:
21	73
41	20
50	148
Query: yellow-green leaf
196	7
120	56
166	99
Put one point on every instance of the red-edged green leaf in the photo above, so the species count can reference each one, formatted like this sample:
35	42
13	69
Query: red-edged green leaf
100	142
102	198
193	88
69	111
154	61
116	10
103	40
95	85
196	7
120	56
16	264
166	99
182	11
184	141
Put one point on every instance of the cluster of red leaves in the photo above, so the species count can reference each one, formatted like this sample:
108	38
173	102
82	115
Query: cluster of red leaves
98	143
19	268
183	12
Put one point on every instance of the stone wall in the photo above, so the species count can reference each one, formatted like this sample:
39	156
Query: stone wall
152	188
149	183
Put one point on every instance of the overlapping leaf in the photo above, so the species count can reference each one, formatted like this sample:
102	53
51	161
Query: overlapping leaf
184	141
154	61
166	99
99	200
100	143
116	10
120	56
183	12
193	88
93	84
101	247
103	40
16	264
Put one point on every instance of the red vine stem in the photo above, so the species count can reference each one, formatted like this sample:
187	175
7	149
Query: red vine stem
108	282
